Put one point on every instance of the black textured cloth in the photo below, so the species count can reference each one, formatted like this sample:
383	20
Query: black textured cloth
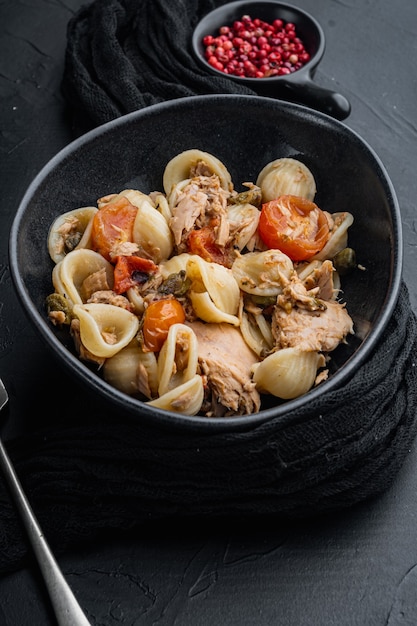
114	63
105	475
109	474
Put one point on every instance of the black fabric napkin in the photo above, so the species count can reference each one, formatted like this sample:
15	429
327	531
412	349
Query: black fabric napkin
116	473
123	55
107	474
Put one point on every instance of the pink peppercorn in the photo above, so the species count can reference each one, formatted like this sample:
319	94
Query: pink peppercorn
253	48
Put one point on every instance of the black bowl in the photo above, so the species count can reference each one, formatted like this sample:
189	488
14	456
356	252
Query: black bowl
298	86
245	132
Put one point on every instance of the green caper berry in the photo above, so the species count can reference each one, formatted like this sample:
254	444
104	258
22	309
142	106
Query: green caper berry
345	261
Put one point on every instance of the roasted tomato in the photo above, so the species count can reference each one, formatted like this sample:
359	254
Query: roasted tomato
132	270
113	225
202	242
159	316
294	225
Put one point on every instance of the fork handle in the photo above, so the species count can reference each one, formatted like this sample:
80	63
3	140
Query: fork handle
67	610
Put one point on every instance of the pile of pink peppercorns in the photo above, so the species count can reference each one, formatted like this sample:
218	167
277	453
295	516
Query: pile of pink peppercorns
253	48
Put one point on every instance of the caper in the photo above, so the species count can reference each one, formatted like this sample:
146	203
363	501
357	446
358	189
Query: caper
72	241
345	261
176	284
57	302
252	196
264	301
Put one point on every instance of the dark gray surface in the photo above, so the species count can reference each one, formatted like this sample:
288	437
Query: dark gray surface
356	568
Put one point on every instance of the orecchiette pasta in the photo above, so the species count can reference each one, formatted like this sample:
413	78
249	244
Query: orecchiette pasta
151	231
186	399
70	231
338	237
214	291
257	333
133	371
104	328
179	299
286	176
262	273
178	358
79	267
183	165
175	264
287	373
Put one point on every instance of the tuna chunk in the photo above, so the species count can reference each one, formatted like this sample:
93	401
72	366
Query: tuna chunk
321	279
320	330
201	200
226	361
107	296
191	204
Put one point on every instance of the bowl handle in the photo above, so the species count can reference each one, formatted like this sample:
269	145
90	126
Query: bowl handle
305	91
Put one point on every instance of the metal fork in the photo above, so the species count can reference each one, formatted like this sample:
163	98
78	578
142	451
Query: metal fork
67	610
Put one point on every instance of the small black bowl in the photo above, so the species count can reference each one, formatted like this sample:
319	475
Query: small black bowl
132	152
298	86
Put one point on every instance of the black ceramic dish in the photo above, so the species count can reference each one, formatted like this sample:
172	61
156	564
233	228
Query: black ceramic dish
132	151
298	86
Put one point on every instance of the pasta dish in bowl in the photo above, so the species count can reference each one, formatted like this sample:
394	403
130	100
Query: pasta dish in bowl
198	299
218	273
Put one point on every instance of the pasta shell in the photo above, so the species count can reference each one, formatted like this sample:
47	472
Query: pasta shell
287	373
180	167
307	269
206	310
214	290
304	270
104	328
151	231
120	370
286	176
132	371
244	219
265	328
161	204
56	279
101	202
186	399
338	237
134	196
178	358
257	335
174	265
70	231
136	300
150	365
75	268
262	273
173	196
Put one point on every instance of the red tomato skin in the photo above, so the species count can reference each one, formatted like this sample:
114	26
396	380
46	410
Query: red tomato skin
112	225
158	318
202	243
130	271
275	227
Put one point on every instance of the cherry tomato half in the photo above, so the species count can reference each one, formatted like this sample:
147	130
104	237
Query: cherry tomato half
159	316
132	270
294	225
202	242
112	225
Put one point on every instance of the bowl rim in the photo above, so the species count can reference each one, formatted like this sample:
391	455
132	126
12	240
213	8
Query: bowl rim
134	406
308	68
